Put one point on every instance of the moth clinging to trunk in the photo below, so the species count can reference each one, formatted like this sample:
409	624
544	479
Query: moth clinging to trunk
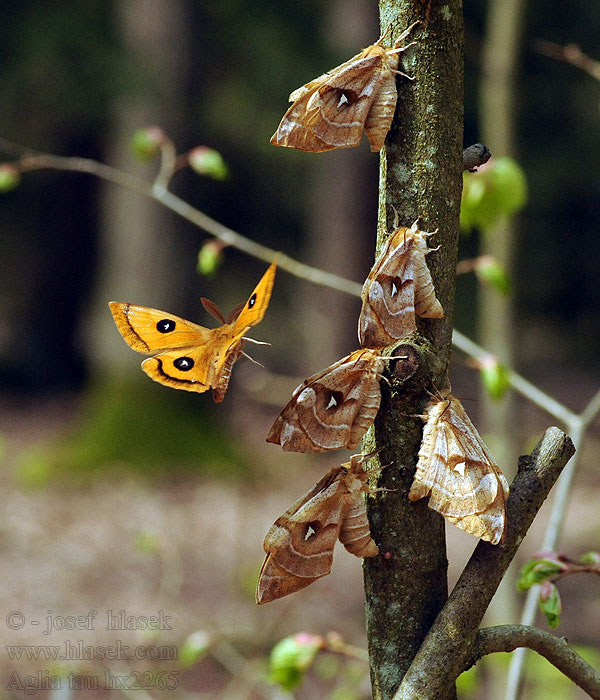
332	110
299	545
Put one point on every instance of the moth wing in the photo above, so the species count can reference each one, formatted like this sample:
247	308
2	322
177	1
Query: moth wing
489	525
331	113
388	294
331	409
380	116
254	309
317	82
274	582
465	484
151	330
426	302
457	469
300	544
190	369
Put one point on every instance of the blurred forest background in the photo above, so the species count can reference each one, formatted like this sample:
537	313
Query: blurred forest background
121	494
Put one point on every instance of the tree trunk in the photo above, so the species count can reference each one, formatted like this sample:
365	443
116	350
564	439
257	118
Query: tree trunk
420	175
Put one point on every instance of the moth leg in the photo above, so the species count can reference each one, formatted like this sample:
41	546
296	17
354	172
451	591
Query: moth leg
380	489
252	359
263	342
381	467
401	49
385	379
369	455
422	416
404	75
407	31
382	37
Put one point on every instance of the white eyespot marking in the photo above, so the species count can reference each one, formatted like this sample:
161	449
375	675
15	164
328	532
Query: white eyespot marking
309	532
343	100
460	468
394	289
332	402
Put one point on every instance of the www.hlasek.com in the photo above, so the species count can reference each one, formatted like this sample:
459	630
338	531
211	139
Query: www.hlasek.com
78	651
133	680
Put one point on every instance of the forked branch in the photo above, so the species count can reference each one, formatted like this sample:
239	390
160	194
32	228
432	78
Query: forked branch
449	647
555	649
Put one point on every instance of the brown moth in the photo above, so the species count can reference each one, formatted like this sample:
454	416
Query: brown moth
332	110
457	470
333	408
398	287
299	545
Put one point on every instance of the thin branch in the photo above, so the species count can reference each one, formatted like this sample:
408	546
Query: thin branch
555	649
168	164
518	383
446	652
30	161
591	411
571	53
577	428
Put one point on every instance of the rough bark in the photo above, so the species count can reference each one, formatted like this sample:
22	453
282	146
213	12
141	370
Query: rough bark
420	175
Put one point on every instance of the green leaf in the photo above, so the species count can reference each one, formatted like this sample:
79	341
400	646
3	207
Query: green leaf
210	258
10	177
146	143
291	657
206	161
497	190
491	272
194	647
536	571
550	604
591	559
147	542
495	378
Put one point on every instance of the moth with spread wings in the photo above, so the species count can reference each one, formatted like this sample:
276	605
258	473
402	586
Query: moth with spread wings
398	286
457	472
333	408
332	110
299	546
191	357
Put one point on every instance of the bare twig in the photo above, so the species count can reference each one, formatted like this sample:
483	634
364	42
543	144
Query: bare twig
555	649
518	383
576	425
30	161
571	53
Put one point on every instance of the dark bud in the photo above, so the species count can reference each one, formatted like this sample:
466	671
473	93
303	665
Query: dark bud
474	156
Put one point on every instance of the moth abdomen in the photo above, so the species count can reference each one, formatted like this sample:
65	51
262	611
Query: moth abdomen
355	533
